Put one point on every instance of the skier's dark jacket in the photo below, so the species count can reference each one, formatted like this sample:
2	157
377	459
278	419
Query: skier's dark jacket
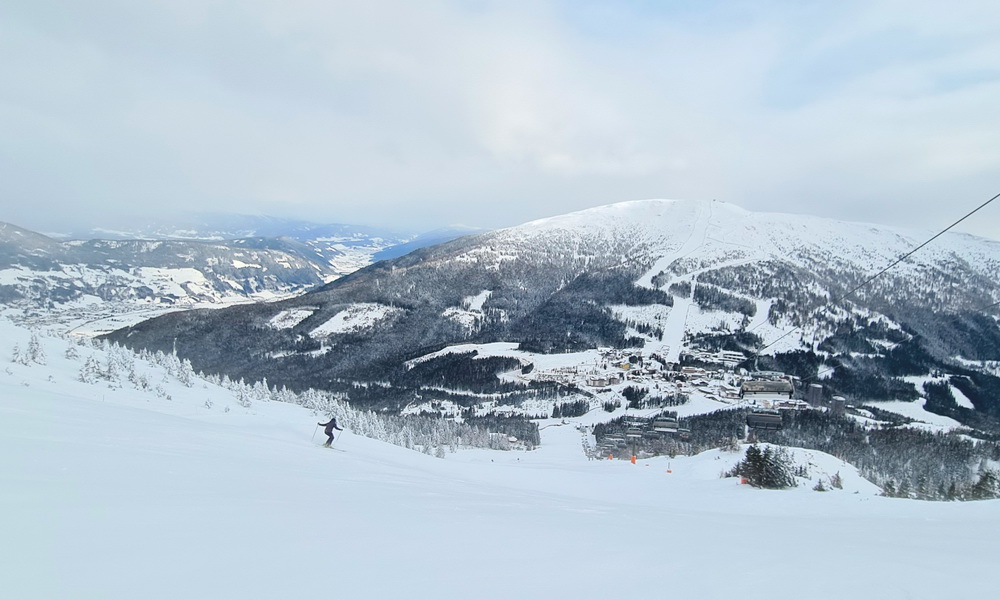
330	426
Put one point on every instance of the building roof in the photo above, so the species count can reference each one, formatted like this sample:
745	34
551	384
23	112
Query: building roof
774	387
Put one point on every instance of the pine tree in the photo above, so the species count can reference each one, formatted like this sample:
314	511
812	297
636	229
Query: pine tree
18	357
987	487
889	489
952	492
904	489
90	372
35	353
766	469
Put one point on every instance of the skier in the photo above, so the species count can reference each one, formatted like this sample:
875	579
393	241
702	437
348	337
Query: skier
329	430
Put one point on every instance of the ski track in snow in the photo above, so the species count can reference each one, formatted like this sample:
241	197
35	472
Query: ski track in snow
695	240
113	493
677	320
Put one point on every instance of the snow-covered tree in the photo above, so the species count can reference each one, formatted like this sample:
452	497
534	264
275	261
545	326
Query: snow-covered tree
767	468
91	371
18	357
35	352
987	487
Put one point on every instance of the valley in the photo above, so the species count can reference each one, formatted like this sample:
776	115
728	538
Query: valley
98	280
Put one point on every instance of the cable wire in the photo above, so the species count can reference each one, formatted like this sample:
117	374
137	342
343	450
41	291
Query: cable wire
882	272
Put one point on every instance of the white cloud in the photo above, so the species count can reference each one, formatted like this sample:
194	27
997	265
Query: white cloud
492	113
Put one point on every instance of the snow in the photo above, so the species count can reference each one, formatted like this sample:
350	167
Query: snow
15	275
169	281
242	265
673	330
695	240
542	362
961	399
465	318
90	316
116	493
471	312
915	410
287	319
353	257
654	315
715	234
987	366
475	303
685	238
356	318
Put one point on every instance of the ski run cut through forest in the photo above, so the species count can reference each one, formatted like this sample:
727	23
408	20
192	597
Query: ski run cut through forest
130	476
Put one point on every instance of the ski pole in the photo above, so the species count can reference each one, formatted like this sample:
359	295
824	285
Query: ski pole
336	438
313	438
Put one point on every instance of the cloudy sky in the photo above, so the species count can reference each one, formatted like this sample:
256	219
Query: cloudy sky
417	114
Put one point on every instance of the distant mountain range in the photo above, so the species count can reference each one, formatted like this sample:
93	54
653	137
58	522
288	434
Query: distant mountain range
198	259
221	226
678	279
38	271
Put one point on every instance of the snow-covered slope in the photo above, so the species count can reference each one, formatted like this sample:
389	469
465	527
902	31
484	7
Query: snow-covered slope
722	246
710	233
120	493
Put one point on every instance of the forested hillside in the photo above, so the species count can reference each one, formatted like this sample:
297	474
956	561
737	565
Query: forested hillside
666	277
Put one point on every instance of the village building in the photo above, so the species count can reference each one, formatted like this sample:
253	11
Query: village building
768	393
755	388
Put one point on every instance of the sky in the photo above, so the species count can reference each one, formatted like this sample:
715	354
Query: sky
418	115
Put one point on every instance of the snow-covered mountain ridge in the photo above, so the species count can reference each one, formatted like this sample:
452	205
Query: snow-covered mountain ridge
675	235
670	278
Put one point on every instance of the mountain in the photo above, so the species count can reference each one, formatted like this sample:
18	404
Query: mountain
105	278
38	271
431	238
225	226
678	280
346	248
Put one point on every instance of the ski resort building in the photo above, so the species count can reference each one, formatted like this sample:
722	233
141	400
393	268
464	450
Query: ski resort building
769	393
755	388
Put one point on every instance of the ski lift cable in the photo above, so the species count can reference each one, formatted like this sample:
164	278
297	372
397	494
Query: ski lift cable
889	349
867	281
883	271
988	306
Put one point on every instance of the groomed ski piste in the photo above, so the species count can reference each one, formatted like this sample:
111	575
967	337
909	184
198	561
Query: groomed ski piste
186	493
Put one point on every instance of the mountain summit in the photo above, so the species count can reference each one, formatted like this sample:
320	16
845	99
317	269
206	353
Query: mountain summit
665	277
